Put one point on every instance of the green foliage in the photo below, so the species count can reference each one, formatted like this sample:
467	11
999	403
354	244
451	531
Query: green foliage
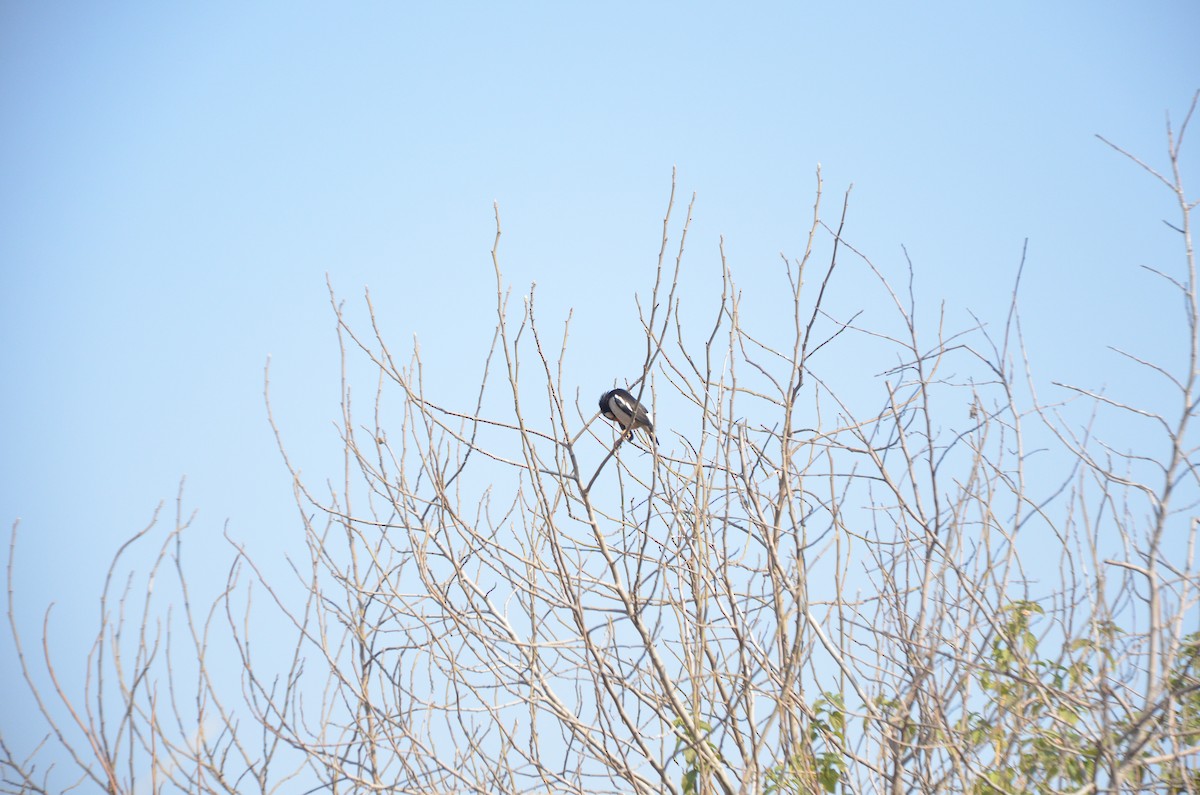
828	730
695	768
1043	723
1184	684
792	777
1039	723
824	763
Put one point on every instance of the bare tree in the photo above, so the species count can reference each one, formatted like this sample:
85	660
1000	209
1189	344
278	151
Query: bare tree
821	581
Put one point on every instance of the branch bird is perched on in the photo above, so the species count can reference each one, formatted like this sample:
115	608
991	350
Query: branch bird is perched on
623	408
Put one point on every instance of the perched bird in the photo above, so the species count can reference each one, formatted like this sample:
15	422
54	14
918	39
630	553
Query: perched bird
623	408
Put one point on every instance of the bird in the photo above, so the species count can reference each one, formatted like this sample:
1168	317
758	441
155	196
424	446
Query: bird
623	408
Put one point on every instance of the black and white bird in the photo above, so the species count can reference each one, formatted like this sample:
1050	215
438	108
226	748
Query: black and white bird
623	408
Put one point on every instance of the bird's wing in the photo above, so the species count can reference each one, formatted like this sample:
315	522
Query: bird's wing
638	411
623	406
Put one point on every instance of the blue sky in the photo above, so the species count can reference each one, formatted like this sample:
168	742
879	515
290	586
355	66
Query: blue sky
178	179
